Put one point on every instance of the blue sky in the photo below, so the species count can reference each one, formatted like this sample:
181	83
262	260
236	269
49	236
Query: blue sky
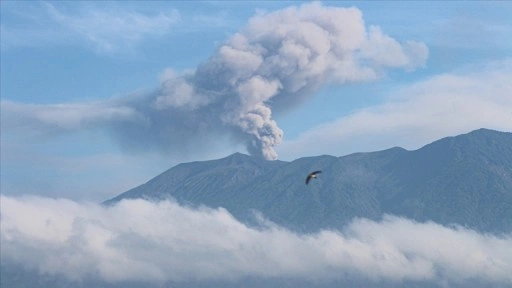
98	97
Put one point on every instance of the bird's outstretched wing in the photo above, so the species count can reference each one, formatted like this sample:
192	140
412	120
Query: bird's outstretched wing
312	175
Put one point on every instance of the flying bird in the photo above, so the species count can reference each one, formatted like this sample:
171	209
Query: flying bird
312	175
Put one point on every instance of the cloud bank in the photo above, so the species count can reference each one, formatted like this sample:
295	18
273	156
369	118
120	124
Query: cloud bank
273	64
137	240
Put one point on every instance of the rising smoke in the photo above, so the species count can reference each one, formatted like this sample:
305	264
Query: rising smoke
285	54
276	62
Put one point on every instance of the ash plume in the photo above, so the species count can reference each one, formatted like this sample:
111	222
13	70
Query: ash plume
283	57
273	64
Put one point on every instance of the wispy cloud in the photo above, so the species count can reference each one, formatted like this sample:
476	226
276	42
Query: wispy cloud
445	104
105	29
64	117
140	240
114	30
209	21
490	31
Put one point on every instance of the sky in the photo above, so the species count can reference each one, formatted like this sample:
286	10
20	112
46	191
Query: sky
98	97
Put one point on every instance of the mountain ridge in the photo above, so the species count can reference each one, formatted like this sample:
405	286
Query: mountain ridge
464	180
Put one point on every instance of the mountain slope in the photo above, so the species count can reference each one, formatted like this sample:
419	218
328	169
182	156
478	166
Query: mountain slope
465	180
190	182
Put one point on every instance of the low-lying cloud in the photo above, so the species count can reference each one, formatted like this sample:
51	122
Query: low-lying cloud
138	240
275	62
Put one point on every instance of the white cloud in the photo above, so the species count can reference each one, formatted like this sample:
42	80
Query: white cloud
140	240
443	105
106	28
64	117
114	30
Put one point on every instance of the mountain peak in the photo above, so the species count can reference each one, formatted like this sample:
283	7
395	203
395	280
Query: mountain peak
237	156
485	131
480	139
240	159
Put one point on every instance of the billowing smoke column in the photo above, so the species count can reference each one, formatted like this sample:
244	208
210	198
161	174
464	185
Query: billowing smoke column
281	58
273	64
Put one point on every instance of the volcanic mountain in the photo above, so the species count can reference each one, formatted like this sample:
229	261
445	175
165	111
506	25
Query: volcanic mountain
464	180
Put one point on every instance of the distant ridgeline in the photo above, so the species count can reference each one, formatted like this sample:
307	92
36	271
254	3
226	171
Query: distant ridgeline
464	180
